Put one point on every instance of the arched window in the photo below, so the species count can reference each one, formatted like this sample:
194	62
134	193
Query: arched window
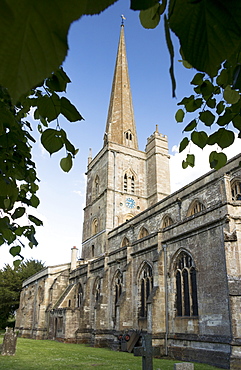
95	226
186	286
145	288
80	295
236	190
143	232
125	242
167	221
118	287
128	138
195	207
97	186
96	289
125	182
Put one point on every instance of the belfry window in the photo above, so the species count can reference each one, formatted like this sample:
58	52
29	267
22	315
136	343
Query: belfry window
132	184
146	285
128	138
236	190
186	286
125	182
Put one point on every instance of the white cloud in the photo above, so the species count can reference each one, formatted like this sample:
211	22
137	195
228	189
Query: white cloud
181	177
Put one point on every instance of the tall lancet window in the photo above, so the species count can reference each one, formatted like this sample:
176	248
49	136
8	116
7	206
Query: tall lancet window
125	182
146	285
132	184
186	286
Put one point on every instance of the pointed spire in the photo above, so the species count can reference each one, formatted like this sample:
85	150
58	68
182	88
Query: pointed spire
120	126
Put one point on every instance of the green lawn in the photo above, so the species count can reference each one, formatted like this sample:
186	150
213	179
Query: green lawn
46	355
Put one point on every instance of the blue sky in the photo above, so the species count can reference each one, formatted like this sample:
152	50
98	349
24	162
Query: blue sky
90	62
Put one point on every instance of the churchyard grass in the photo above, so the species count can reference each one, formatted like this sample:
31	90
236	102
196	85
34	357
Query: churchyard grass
51	355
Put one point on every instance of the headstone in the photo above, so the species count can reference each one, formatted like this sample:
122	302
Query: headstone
184	366
9	343
146	351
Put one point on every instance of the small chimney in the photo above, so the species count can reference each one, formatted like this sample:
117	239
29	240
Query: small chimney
74	251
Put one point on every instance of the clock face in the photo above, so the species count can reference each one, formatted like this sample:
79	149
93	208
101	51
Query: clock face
130	203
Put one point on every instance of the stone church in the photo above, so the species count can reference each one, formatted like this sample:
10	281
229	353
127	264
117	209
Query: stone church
152	262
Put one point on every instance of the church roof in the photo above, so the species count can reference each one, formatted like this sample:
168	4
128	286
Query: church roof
120	126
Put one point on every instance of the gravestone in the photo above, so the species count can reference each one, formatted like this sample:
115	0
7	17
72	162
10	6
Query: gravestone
184	366
9	343
147	352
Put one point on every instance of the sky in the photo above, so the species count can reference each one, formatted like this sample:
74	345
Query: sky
90	63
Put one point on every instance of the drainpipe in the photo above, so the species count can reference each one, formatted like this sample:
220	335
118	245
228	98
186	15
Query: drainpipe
164	246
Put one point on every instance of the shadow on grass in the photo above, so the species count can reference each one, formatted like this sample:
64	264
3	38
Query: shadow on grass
51	355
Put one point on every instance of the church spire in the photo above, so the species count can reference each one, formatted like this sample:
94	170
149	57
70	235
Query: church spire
120	126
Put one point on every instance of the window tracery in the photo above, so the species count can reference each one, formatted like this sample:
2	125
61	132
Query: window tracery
236	190
167	221
146	286
195	207
186	286
118	287
80	295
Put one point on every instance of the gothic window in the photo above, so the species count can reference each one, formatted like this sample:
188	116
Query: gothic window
132	184
118	284
167	221
96	290
125	242
236	190
128	138
186	286
143	232
95	226
125	182
195	207
80	295
97	186
145	288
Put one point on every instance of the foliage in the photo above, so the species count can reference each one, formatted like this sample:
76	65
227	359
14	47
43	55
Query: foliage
11	280
51	355
33	44
18	177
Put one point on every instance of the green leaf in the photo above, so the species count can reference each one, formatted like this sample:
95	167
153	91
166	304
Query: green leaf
179	115
34	201
16	263
211	103
171	53
220	107
150	17
231	96
199	138
194	104
222	78
183	144
33	40
191	126
7	203
35	220
49	107
207	117
190	161
217	160
237	122
69	111
58	81
15	250
225	118
198	79
66	163
52	140
209	31
18	213
224	138
207	88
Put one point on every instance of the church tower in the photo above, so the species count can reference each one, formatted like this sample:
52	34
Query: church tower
122	181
